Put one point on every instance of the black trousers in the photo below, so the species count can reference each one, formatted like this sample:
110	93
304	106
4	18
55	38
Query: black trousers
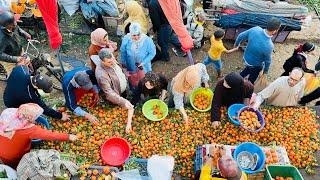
310	97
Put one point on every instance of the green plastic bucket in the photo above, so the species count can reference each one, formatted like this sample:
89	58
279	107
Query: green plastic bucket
147	109
201	90
272	171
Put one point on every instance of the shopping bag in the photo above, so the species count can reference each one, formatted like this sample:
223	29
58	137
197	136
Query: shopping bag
260	83
134	77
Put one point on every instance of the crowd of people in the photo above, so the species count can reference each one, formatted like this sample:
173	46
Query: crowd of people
131	75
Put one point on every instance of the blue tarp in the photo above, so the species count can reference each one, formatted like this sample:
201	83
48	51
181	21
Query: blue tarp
248	20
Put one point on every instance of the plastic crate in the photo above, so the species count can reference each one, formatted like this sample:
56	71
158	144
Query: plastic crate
282	170
100	169
142	163
112	22
198	160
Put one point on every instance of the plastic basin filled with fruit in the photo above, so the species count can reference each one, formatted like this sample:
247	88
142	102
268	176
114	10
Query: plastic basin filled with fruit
250	157
250	119
233	112
115	151
155	110
201	99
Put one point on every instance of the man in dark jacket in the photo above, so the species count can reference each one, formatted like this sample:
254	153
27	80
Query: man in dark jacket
165	34
10	47
22	88
79	79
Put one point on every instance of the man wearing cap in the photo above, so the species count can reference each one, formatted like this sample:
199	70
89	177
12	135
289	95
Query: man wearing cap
23	88
112	82
75	80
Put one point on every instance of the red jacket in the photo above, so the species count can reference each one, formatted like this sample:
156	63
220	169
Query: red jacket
12	150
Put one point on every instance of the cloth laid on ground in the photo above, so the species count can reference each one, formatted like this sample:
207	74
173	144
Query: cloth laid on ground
49	11
248	20
264	7
70	6
91	10
172	10
43	165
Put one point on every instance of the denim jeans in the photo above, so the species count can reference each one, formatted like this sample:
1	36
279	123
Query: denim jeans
217	63
43	121
165	36
252	71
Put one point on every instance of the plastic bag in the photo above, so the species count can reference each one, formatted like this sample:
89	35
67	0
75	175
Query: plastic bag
70	6
160	167
260	83
129	175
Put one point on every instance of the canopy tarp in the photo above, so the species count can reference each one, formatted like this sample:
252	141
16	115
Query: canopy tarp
49	11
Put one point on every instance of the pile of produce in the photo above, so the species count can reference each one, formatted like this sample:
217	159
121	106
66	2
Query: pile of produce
201	101
26	8
294	128
249	120
282	178
157	112
87	100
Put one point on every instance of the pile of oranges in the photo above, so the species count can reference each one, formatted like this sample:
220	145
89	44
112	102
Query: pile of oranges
282	178
86	100
294	128
271	156
201	101
249	120
157	112
95	174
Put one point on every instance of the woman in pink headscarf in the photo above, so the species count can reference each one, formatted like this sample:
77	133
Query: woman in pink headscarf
99	40
17	129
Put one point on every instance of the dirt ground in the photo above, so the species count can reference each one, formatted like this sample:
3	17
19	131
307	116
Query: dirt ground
77	45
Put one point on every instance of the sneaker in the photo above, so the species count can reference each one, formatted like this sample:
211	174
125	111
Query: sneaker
179	52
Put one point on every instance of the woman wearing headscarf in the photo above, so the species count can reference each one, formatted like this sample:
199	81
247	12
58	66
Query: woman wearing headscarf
17	129
299	59
135	15
153	85
99	40
230	90
183	83
137	50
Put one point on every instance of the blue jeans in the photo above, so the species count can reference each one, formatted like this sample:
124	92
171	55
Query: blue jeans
165	36
43	121
217	63
252	71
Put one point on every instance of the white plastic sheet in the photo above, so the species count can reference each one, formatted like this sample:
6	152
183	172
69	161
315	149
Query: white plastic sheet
160	167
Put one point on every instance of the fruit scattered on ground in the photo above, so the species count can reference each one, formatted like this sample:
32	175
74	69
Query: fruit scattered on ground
157	112
201	101
294	128
86	100
249	120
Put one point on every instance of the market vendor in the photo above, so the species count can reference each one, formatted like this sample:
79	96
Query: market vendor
23	88
284	91
299	59
99	40
226	166
230	90
17	129
113	82
183	83
77	83
153	85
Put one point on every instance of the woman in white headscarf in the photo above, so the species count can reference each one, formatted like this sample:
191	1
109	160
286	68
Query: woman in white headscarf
17	129
137	50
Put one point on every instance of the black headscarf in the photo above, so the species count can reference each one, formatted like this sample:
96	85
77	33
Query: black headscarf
235	92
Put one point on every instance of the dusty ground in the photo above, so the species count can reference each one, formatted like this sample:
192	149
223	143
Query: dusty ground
76	46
